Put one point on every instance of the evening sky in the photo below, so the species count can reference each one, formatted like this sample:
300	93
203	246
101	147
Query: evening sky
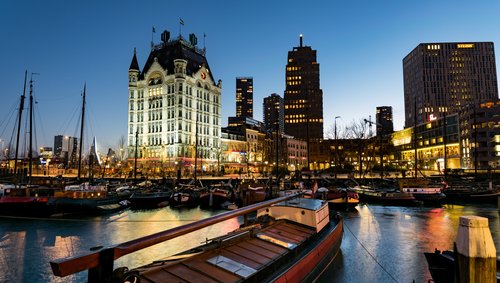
360	46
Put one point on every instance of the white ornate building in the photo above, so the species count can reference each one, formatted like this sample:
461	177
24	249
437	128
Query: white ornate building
174	104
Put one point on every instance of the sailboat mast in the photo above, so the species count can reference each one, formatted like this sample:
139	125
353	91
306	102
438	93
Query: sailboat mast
81	133
135	154
21	107
30	150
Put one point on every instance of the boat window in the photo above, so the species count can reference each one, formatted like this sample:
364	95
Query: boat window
232	266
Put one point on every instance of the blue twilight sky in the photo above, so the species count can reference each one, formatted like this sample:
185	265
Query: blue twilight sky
360	47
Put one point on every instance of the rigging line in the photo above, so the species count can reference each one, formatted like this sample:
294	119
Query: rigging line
78	123
11	141
70	121
89	122
7	122
39	117
374	259
8	115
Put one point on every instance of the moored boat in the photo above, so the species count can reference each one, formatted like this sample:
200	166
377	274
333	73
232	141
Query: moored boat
472	193
186	195
25	200
85	199
293	240
422	190
149	199
386	197
215	195
251	192
341	198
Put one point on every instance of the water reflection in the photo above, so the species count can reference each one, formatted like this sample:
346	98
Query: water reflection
380	243
28	245
386	244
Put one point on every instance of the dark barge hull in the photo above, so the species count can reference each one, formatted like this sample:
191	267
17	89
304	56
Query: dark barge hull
148	200
389	200
25	206
217	200
84	206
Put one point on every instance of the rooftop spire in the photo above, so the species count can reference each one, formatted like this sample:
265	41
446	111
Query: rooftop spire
300	40
134	65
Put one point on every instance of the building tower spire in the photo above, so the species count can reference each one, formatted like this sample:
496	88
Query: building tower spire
134	65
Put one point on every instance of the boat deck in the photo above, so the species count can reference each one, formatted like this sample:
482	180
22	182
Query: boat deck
234	262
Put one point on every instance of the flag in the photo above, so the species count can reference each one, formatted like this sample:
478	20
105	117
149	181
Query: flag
181	21
154	30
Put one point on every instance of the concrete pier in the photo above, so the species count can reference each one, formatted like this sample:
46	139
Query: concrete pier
476	252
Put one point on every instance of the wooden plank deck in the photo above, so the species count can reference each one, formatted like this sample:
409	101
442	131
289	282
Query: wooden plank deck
232	263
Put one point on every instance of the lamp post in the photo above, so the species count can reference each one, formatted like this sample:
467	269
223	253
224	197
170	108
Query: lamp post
336	145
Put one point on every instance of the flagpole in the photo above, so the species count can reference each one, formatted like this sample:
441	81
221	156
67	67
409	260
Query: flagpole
181	23
152	33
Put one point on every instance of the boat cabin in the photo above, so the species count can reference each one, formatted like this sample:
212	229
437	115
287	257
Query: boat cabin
310	212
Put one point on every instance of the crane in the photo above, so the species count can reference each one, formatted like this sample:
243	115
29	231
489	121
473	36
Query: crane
370	122
370	132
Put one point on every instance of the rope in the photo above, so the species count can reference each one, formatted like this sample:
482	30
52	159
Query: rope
374	259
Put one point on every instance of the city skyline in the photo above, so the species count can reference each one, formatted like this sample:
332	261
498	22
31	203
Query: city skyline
360	47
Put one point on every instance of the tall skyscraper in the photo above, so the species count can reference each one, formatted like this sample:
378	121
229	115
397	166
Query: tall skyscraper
385	125
303	95
442	78
244	97
273	113
66	147
174	105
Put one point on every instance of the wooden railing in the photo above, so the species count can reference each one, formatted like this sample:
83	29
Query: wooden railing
100	262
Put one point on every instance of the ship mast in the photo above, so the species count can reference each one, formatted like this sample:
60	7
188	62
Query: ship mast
21	107
30	149
81	134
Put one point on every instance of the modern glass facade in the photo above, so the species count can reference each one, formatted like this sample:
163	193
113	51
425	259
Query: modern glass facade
441	78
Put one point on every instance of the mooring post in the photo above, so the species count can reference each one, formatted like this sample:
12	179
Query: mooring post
103	273
475	251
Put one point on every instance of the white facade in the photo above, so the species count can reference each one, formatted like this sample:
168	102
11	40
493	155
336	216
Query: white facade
170	110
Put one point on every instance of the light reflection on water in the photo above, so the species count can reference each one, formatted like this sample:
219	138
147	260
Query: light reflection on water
380	243
386	244
30	244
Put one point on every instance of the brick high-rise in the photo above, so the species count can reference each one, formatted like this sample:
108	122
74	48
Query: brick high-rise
303	95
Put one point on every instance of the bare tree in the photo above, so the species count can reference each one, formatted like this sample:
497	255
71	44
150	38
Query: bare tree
356	130
330	133
122	143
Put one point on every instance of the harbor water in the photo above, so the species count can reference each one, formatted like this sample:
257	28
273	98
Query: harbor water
380	243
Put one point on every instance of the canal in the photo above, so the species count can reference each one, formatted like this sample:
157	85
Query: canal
380	243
